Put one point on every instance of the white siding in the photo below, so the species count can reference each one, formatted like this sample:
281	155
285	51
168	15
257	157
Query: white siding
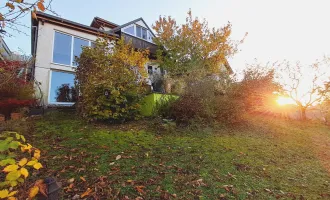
44	54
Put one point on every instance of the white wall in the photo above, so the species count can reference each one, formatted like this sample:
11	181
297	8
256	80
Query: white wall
44	54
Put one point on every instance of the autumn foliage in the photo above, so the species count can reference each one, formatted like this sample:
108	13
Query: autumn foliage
15	90
17	159
192	46
110	80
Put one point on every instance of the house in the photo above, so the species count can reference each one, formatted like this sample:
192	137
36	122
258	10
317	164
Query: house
5	52
56	41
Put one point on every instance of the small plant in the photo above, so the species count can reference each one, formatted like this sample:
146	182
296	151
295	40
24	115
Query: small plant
17	158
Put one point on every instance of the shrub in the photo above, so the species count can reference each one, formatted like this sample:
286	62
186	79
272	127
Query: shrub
16	91
207	101
258	87
18	158
110	79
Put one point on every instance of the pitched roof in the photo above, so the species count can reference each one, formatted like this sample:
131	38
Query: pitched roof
132	22
64	22
97	22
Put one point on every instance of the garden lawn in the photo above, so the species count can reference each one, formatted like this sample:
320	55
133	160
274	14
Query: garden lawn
263	158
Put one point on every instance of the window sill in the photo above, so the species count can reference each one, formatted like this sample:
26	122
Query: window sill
61	104
64	65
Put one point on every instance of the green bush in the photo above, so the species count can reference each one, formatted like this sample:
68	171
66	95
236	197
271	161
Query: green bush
110	88
208	101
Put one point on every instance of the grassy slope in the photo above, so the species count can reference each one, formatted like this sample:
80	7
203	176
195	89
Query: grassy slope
258	160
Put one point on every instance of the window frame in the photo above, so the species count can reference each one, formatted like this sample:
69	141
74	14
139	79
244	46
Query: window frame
72	47
135	32
50	102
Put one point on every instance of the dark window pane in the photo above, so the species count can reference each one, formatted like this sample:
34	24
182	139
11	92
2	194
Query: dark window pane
62	49
77	48
129	30
138	31
150	71
62	87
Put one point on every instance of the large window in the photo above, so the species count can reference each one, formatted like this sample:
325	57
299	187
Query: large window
130	30
62	49
66	48
141	32
62	88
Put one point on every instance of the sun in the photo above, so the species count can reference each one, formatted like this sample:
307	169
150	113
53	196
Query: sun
284	101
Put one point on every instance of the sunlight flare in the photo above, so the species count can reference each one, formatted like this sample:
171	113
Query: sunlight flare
284	101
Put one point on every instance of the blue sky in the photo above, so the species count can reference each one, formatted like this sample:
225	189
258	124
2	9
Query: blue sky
278	29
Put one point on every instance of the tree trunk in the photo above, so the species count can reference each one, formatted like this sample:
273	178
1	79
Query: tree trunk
303	113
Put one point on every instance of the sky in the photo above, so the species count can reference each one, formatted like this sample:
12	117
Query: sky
295	30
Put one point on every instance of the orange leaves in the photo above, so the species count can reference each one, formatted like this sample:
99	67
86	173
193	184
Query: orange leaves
39	186
86	193
193	46
33	192
10	5
139	189
41	6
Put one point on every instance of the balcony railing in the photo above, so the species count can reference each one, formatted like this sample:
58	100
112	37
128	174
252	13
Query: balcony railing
140	43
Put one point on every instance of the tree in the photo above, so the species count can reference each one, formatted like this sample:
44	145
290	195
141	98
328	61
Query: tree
258	88
110	79
305	85
13	10
193	46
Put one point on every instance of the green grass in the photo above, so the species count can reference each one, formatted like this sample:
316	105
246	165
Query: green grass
260	159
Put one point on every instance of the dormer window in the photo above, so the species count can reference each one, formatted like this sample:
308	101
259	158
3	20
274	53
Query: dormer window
130	30
141	32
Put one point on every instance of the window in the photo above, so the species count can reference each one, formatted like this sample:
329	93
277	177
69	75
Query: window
62	88
130	30
141	32
77	48
66	48
62	49
150	71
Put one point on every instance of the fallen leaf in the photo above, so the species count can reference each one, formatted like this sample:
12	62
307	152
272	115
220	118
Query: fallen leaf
83	179
33	192
118	157
140	189
71	180
86	193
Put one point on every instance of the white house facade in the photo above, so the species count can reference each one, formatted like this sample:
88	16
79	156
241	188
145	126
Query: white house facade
56	41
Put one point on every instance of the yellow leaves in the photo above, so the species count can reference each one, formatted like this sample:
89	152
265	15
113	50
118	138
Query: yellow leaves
37	154
25	148
86	193
41	6
33	192
5	194
22	162
13	176
37	166
24	172
32	162
10	168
